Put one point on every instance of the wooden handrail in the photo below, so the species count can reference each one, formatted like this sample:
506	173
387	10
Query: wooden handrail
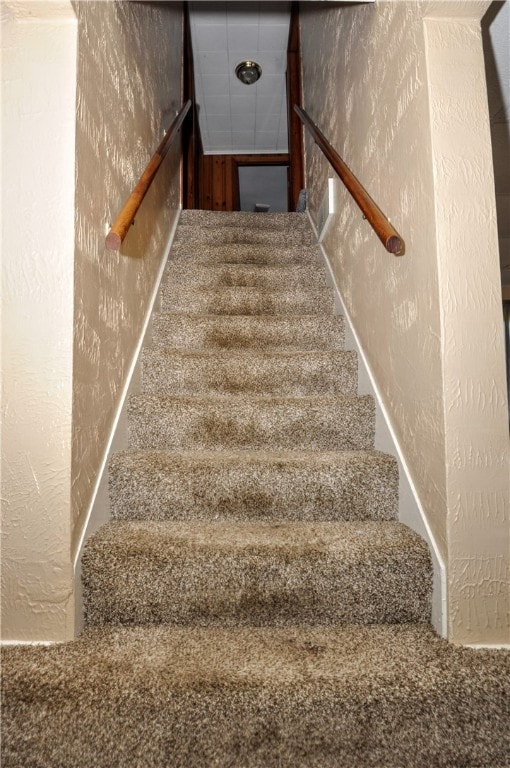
387	234
130	208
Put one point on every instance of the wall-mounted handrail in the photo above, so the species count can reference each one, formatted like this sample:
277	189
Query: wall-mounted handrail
386	233
130	208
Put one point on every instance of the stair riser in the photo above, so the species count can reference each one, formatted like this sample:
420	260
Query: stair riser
286	376
261	255
239	333
163	487
141	574
226	235
191	424
245	220
241	276
246	301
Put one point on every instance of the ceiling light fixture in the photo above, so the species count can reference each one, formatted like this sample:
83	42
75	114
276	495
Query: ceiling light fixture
248	72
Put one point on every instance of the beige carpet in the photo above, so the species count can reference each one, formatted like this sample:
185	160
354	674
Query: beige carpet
254	600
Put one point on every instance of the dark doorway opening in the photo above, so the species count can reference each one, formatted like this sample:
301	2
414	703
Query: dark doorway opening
263	187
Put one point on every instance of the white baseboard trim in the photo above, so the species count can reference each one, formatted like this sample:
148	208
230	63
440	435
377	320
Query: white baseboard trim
439	600
13	643
488	646
125	391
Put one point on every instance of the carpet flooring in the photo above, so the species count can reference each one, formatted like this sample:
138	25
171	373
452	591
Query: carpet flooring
254	601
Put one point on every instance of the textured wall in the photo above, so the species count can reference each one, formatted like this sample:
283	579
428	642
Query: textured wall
38	128
376	85
129	87
475	416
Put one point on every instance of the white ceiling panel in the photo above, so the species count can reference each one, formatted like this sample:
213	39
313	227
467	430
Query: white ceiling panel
242	122
241	139
215	85
267	105
235	117
243	37
265	139
273	38
267	122
273	14
216	105
219	123
211	62
211	37
244	104
270	84
220	142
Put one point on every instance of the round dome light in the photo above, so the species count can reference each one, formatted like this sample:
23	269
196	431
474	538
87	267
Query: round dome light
248	72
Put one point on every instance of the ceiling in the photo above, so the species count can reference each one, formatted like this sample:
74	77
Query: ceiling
236	118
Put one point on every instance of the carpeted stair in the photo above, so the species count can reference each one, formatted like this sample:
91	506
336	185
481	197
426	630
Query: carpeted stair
254	600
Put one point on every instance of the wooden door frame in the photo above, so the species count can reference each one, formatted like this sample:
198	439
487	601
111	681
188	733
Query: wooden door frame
294	96
191	141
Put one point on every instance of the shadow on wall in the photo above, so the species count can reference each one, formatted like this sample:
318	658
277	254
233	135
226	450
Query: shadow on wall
496	47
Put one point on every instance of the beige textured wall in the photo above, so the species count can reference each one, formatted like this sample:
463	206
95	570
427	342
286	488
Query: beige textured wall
396	96
115	97
129	87
38	128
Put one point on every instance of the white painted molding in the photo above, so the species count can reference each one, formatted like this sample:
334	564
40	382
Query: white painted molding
488	646
37	11
44	643
125	392
439	600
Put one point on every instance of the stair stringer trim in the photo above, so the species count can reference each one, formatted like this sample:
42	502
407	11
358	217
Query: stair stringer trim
98	511
410	509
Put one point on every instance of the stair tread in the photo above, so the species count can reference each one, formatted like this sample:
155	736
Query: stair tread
242	233
249	291
368	653
217	278
352	539
216	332
242	275
322	697
231	373
190	267
246	223
202	421
246	301
247	485
287	458
236	218
243	253
256	573
251	319
245	355
250	401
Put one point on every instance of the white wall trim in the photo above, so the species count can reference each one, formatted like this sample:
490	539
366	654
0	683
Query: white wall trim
44	643
488	646
125	392
440	614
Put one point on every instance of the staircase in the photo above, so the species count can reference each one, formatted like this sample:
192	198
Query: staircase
254	600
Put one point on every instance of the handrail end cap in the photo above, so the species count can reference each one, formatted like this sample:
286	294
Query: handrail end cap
396	246
113	241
